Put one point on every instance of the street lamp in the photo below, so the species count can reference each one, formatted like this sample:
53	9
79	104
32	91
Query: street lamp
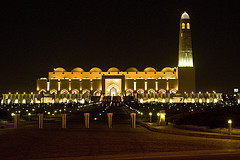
150	117
229	127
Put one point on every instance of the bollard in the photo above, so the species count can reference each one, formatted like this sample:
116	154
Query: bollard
86	117
162	118
40	120
16	120
230	127
150	117
64	120
133	120
109	115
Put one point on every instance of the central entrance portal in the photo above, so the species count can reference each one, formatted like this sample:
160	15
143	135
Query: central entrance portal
113	85
113	91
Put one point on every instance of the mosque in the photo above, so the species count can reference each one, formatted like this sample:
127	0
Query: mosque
171	84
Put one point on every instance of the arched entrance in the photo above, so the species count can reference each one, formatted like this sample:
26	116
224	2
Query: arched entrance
113	91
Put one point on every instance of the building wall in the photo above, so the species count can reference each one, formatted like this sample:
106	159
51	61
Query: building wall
186	80
92	81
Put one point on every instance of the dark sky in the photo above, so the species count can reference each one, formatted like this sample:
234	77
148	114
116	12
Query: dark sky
37	36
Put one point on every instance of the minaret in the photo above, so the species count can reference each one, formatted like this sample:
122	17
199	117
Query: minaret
186	70
185	57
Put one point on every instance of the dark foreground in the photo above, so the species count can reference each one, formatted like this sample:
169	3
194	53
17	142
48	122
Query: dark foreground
99	142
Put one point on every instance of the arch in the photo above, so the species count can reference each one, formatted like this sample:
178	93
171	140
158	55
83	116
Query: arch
173	91
85	91
59	69
113	69
163	91
150	69
97	92
42	90
75	91
64	91
132	69
95	69
77	69
151	91
140	91
129	92
183	25
113	89
53	91
188	25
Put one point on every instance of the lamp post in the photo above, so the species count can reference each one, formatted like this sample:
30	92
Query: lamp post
150	117
29	114
230	127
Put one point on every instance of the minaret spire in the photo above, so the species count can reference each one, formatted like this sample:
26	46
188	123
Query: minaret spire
185	57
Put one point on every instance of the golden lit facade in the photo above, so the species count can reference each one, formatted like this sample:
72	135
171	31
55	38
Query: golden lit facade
112	82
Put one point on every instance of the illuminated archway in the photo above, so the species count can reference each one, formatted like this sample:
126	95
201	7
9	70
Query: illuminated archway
42	91
75	91
64	91
162	91
129	92
140	93
53	91
97	93
85	91
173	91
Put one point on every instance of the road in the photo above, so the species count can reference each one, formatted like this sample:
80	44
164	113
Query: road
100	142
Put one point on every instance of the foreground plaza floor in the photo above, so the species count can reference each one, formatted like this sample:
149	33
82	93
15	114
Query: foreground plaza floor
99	142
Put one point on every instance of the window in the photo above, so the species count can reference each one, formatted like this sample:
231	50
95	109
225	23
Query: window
188	25
183	25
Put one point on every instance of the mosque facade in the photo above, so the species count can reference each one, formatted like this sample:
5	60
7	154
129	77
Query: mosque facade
171	84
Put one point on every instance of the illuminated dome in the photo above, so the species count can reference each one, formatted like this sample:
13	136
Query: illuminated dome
168	69
185	16
132	69
95	69
59	69
77	69
113	69
150	69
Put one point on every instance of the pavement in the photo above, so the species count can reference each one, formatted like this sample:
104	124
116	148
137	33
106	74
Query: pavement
172	130
99	142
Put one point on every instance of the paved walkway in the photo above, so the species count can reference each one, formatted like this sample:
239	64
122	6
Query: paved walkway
75	141
171	130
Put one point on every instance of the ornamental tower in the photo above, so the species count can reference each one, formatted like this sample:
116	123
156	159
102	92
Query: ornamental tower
185	57
186	70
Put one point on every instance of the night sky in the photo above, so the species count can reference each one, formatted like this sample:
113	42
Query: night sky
37	36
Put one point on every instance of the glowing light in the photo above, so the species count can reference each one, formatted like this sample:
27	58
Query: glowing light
12	114
141	100
82	101
215	100
229	121
158	114
207	100
150	113
193	101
